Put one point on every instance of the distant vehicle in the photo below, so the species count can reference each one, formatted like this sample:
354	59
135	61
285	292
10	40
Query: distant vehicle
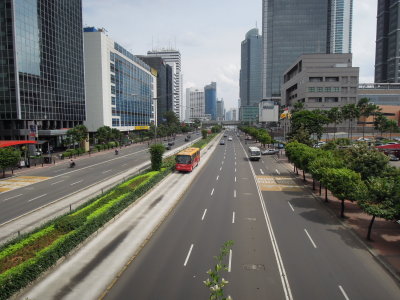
187	139
393	157
319	144
254	153
187	159
391	143
230	138
269	151
171	143
379	138
225	135
222	142
397	138
361	139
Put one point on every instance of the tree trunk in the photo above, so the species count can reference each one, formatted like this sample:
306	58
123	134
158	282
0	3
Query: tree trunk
326	194
297	171
304	176
342	209
294	169
370	228
320	188
313	184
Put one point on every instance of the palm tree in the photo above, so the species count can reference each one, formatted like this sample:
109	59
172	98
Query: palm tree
350	112
366	109
335	116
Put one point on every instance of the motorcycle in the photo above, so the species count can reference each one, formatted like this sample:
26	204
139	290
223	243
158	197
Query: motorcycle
116	152
72	164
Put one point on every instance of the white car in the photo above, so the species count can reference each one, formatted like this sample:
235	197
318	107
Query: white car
230	138
361	139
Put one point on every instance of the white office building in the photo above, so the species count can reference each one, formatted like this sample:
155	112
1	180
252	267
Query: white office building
195	102
120	88
173	58
341	19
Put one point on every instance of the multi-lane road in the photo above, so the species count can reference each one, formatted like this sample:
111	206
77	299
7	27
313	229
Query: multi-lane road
38	187
286	244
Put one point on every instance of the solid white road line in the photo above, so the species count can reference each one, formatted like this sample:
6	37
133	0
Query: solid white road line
262	172
56	171
76	182
344	293
217	177
204	214
188	255
233	218
278	257
234	193
104	172
277	172
291	206
37	197
312	242
230	261
12	197
212	192
57	182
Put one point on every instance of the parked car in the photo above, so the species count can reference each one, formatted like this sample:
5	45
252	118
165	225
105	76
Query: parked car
391	143
269	151
222	142
361	139
393	157
397	139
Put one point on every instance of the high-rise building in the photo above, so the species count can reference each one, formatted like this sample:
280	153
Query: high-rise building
164	85
250	72
120	88
387	59
210	95
41	69
173	58
292	28
196	103
220	110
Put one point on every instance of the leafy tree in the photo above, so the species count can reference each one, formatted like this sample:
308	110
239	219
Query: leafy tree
115	134
366	110
392	126
9	157
171	118
382	199
310	120
368	162
264	138
301	135
103	134
204	134
78	134
156	152
345	184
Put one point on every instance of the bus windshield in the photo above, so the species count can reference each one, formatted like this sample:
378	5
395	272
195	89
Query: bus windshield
255	153
183	159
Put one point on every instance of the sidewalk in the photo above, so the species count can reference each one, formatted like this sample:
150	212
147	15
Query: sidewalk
385	236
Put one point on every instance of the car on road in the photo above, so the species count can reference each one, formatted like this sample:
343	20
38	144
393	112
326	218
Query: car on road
171	143
230	138
225	135
222	142
269	151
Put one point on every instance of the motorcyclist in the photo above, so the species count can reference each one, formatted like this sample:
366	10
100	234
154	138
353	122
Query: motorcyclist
116	151
71	164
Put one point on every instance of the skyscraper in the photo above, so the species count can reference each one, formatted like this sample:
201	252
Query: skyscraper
250	71
120	87
41	68
387	59
210	95
293	27
195	103
173	58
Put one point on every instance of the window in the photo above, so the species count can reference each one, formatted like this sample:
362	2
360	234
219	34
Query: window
311	89
336	89
331	79
327	89
316	79
320	89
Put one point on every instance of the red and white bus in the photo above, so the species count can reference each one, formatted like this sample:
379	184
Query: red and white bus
187	159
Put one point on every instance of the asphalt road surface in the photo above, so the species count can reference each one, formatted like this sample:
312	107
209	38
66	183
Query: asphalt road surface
286	244
59	181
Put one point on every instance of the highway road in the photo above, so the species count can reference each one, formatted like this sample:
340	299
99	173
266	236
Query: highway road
56	182
286	244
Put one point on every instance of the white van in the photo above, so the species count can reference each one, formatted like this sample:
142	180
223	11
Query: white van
254	153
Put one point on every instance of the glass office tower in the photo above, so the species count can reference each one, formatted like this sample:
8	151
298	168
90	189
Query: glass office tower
387	59
41	67
210	95
293	27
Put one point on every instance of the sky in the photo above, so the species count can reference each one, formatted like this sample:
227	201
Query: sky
208	34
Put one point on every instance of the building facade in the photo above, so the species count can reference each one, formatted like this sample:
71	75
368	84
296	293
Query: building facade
380	93
249	114
173	58
387	59
220	110
41	69
210	95
120	88
321	81
292	28
164	85
250	82
195	101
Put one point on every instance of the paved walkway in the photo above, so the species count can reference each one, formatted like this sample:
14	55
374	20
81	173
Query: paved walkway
385	237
